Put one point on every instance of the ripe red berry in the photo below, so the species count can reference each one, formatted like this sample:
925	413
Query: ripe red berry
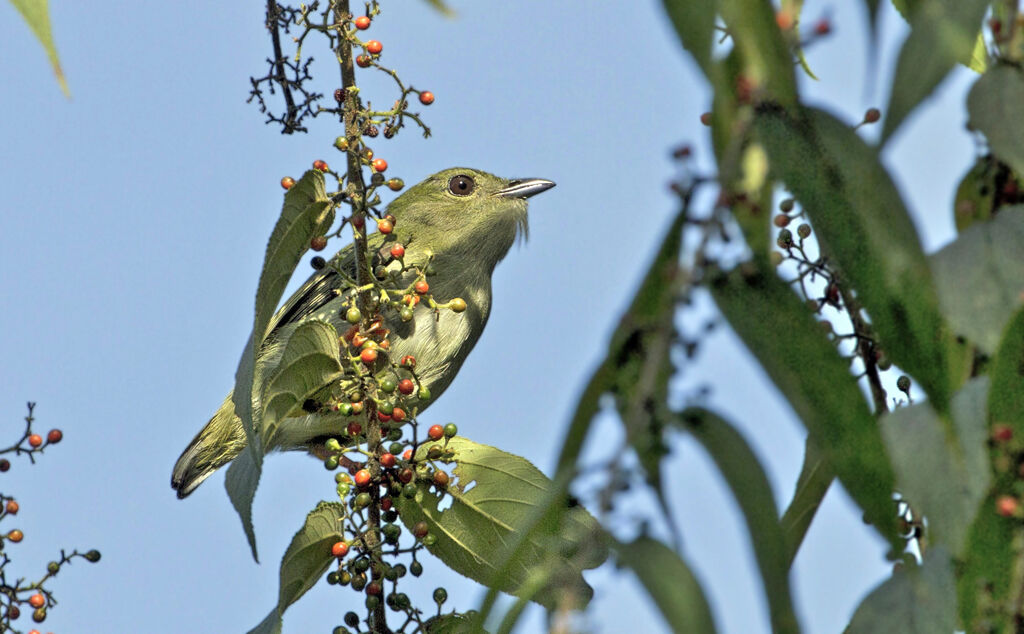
373	588
398	251
374	47
12	507
362	477
1006	505
15	536
706	118
406	386
388	460
362	23
320	165
426	97
1001	432
440	479
409	361
368	355
407	454
872	115
35	440
354	428
37	600
382	417
14	612
339	549
287	182
436	432
379	165
385	226
5	464
54	436
398	414
318	243
781	220
422	287
362	61
823	27
386	503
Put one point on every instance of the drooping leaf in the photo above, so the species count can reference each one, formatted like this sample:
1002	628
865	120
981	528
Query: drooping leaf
915	600
493	498
241	480
767	61
815	478
37	15
749	484
781	333
943	478
669	582
865	230
996	108
942	33
694	21
304	563
980	277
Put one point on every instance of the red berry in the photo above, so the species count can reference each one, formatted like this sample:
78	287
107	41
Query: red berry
781	220
385	226
872	115
441	479
1006	505
409	361
318	243
426	97
14	612
382	417
362	61
407	454
379	165
405	476
1001	432
37	600
12	507
387	460
436	432
706	118
411	300
373	588
398	251
362	477
398	414
354	429
358	222
784	19
320	165
823	27
5	464
420	529
35	440
339	549
15	536
422	287
362	23
386	503
374	47
287	182
54	436
368	355
406	386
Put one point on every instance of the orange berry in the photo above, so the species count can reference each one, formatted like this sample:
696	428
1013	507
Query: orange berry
407	454
368	355
441	479
362	477
35	440
1007	505
398	251
362	23
426	97
12	507
374	47
339	549
406	386
387	460
37	600
385	226
436	432
15	536
320	165
54	436
422	287
362	61
706	118
379	165
287	182
398	414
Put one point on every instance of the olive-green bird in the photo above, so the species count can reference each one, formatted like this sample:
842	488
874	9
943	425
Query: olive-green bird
467	220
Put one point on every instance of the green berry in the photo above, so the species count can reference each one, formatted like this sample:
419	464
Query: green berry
903	383
804	230
396	448
332	444
331	463
450	430
387	385
92	556
333	577
416	568
424	394
429	540
52	567
440	595
786	205
353	315
409	491
351	619
405	313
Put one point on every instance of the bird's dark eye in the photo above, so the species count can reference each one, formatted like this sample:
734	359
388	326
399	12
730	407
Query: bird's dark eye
461	185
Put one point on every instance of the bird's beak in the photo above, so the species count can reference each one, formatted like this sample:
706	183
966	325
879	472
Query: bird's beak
525	187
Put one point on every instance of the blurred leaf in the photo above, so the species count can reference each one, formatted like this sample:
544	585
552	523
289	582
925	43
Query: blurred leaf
793	8
307	558
669	582
749	484
806	368
976	194
996	108
985	572
980	277
942	33
1006	400
443	8
915	600
944	479
37	15
694	21
767	61
979	55
451	623
492	500
815	478
865	229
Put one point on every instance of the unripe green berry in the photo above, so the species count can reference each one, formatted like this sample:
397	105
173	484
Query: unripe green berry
387	385
331	463
53	567
424	394
903	383
332	444
416	568
786	205
405	313
440	595
362	500
353	315
429	540
92	556
450	430
409	491
351	619
804	230
785	239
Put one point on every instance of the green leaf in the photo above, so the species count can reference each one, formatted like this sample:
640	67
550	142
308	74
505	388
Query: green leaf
694	21
944	479
1006	400
865	229
980	277
815	479
942	33
979	55
985	573
996	108
37	15
241	480
493	497
781	333
306	213
749	484
767	61
306	560
669	582
915	600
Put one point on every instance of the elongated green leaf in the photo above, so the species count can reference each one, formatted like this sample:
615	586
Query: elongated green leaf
996	107
780	331
815	479
37	15
942	33
694	21
980	277
669	581
865	229
1006	400
915	600
749	484
305	561
492	499
767	61
943	478
985	573
241	480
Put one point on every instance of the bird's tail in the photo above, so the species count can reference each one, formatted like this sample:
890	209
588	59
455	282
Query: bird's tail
213	447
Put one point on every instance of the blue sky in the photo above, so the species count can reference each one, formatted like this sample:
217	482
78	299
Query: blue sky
134	219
